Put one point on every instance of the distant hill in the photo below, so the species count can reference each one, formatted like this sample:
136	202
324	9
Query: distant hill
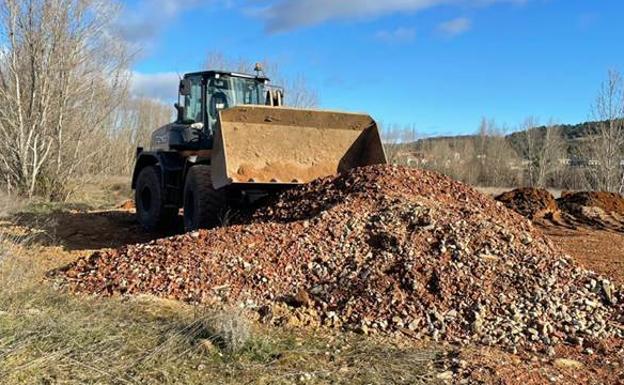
573	134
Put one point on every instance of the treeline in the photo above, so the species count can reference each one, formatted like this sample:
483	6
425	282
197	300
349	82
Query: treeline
65	110
588	156
66	114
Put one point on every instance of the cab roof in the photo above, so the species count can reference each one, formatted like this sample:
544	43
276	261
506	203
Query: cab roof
212	73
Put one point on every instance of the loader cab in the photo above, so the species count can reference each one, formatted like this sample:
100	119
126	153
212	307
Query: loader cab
203	94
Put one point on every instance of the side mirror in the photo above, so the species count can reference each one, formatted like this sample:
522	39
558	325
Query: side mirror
180	111
185	87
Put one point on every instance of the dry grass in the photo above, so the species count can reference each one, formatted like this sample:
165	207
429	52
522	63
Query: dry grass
229	329
51	337
103	193
9	204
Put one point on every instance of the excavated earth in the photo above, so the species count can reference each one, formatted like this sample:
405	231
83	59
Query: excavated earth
580	209
607	201
530	202
381	249
601	210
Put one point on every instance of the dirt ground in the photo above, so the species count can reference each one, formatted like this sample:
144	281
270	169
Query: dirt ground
70	234
601	250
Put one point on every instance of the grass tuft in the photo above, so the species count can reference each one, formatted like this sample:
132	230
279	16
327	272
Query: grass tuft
229	329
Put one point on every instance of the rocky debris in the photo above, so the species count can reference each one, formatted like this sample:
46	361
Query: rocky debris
600	210
605	201
381	249
568	363
529	202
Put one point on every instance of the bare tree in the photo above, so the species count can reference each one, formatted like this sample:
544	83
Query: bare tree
132	126
499	158
542	148
493	156
398	141
62	74
606	145
486	158
482	144
552	150
218	61
530	140
298	92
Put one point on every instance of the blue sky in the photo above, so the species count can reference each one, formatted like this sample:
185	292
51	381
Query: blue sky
439	65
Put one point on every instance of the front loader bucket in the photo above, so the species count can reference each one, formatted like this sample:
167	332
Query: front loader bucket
276	145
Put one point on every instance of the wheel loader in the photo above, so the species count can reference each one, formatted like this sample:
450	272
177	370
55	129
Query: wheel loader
234	142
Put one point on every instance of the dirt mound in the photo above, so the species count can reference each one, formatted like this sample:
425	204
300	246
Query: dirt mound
602	210
606	201
377	249
529	202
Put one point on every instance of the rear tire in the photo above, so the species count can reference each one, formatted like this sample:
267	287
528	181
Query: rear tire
150	201
203	205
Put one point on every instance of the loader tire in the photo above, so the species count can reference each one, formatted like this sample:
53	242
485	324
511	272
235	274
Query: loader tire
150	201
203	205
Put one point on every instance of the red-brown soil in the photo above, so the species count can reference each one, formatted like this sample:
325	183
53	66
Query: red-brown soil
597	248
530	202
377	249
566	365
596	210
606	201
589	227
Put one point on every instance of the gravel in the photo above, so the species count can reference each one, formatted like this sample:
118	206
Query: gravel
381	249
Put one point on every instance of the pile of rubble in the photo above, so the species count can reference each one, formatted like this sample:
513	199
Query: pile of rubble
608	202
377	249
530	202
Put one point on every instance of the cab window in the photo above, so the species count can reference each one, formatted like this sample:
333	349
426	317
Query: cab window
193	101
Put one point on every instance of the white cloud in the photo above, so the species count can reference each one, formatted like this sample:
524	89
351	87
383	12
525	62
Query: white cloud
285	15
143	21
162	86
398	35
455	27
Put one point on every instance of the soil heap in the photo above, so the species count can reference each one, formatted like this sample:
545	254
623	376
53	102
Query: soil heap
600	210
529	202
377	249
605	201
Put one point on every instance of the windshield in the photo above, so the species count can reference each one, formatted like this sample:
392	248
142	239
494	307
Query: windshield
237	90
229	91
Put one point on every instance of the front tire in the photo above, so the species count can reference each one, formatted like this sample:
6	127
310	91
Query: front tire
150	201
203	205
